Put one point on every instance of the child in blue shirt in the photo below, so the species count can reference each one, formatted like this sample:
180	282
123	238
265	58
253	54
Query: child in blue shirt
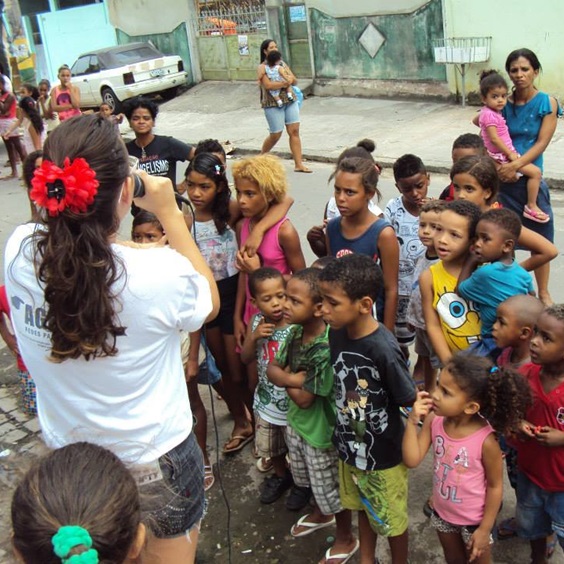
501	277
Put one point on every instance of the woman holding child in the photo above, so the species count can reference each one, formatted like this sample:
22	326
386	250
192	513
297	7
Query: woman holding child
287	115
531	118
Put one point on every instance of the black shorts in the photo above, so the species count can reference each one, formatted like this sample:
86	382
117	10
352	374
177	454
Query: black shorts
227	294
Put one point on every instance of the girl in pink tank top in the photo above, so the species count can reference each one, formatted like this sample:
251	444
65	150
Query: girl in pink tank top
261	182
472	398
65	97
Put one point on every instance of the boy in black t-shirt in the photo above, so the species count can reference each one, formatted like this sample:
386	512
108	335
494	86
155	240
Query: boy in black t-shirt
371	381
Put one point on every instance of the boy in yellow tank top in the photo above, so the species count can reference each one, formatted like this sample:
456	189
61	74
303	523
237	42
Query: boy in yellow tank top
453	323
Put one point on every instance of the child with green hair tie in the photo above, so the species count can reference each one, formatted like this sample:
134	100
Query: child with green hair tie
98	519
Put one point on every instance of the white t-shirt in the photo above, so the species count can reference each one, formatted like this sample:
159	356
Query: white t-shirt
406	227
333	210
134	403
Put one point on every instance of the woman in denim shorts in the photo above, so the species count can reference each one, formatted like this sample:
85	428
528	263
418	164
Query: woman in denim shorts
99	323
288	115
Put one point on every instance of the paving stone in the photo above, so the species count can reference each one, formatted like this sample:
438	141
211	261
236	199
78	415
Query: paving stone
6	428
14	436
8	404
5	392
20	416
32	425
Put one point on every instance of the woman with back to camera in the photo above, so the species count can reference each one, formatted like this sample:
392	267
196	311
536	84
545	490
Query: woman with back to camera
287	115
99	323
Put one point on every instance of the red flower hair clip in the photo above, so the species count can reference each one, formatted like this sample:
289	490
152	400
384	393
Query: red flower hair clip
73	186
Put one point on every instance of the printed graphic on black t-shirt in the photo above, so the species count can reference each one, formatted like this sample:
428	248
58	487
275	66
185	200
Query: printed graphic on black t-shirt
371	381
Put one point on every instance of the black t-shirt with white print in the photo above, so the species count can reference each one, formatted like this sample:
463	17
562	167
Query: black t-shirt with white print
371	381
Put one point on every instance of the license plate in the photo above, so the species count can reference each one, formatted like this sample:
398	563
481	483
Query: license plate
157	72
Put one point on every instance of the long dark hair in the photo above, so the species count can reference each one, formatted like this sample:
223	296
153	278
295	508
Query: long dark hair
263	46
211	167
80	484
482	169
29	106
76	262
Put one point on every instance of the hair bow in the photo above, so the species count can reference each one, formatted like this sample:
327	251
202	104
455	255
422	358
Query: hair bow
56	189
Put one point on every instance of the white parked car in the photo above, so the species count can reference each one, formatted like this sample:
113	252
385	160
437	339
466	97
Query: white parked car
115	74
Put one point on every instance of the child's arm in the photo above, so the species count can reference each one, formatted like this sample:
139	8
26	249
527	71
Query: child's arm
75	96
493	466
240	300
119	118
302	398
262	331
290	242
193	366
59	107
388	250
278	376
549	437
275	213
14	126
415	446
7	336
542	250
468	268
491	132
432	321
35	138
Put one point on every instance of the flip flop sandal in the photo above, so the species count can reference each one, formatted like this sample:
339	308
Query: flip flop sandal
309	526
304	170
507	529
550	545
264	465
243	440
539	217
209	478
343	556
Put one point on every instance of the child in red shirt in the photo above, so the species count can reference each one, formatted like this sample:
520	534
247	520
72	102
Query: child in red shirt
540	456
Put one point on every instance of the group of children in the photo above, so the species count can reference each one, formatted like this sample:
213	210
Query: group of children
315	361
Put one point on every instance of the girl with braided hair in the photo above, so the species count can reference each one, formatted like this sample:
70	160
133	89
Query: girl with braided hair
472	399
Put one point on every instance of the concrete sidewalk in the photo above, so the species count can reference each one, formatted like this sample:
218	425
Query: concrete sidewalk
231	111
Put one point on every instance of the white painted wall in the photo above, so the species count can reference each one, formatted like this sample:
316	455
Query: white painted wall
145	17
512	24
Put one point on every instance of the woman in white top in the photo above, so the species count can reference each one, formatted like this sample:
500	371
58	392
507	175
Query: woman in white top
99	322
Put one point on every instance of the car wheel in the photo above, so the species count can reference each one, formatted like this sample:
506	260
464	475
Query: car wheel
109	97
170	93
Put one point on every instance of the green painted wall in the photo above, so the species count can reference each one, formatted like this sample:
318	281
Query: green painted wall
220	58
173	43
407	53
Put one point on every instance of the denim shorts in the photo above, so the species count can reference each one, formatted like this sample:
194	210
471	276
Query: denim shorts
539	512
176	504
277	117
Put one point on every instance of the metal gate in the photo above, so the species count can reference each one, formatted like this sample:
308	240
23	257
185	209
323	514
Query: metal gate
229	38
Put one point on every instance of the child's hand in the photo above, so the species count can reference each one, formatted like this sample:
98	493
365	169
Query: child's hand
548	436
421	408
526	430
239	332
252	243
479	542
263	330
316	233
246	263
